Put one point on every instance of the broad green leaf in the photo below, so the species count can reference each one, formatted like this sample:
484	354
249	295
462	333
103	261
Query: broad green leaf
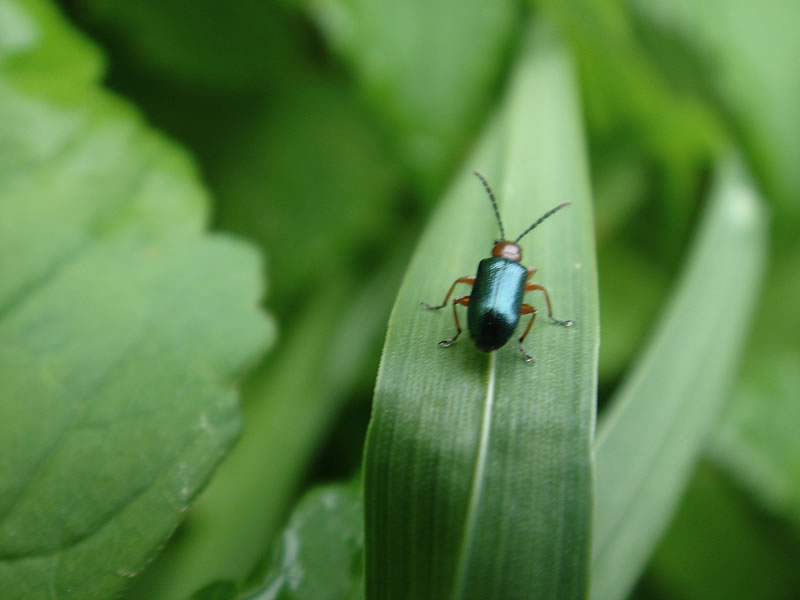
648	442
427	67
477	468
320	552
123	325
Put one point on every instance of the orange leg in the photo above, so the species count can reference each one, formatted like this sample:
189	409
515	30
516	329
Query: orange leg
464	301
531	287
467	280
526	309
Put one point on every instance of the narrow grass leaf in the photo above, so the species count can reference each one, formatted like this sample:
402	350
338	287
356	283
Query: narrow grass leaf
477	468
648	442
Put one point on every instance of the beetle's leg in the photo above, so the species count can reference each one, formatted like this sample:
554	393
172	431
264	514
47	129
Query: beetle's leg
531	287
526	309
531	272
463	300
467	280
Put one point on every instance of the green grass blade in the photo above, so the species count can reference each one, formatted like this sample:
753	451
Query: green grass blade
647	444
477	468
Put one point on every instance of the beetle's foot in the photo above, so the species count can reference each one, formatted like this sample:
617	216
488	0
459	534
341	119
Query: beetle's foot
429	307
567	323
448	343
525	356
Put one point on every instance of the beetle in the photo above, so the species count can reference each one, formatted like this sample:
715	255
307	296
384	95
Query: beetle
495	306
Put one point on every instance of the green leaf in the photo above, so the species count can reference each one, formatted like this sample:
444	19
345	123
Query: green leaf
320	553
477	468
428	68
123	325
648	442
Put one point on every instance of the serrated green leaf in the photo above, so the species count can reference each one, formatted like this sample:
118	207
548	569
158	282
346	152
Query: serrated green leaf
122	324
477	468
648	442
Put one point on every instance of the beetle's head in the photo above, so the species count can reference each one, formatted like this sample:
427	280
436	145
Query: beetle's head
507	250
502	247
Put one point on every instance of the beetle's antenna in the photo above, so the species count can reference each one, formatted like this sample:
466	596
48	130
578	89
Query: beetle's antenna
549	213
494	204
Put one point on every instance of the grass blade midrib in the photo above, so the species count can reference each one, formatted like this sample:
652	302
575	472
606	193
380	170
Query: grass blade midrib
477	477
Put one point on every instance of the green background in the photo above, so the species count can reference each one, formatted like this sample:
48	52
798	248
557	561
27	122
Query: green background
208	211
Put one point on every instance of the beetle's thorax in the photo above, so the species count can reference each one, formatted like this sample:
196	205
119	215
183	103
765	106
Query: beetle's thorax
507	250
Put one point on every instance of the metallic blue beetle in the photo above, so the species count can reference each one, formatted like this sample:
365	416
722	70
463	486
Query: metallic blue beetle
495	305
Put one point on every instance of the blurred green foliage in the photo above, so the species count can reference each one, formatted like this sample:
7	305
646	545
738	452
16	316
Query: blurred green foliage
326	129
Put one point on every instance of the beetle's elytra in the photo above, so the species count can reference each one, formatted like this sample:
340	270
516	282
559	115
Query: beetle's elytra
495	305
